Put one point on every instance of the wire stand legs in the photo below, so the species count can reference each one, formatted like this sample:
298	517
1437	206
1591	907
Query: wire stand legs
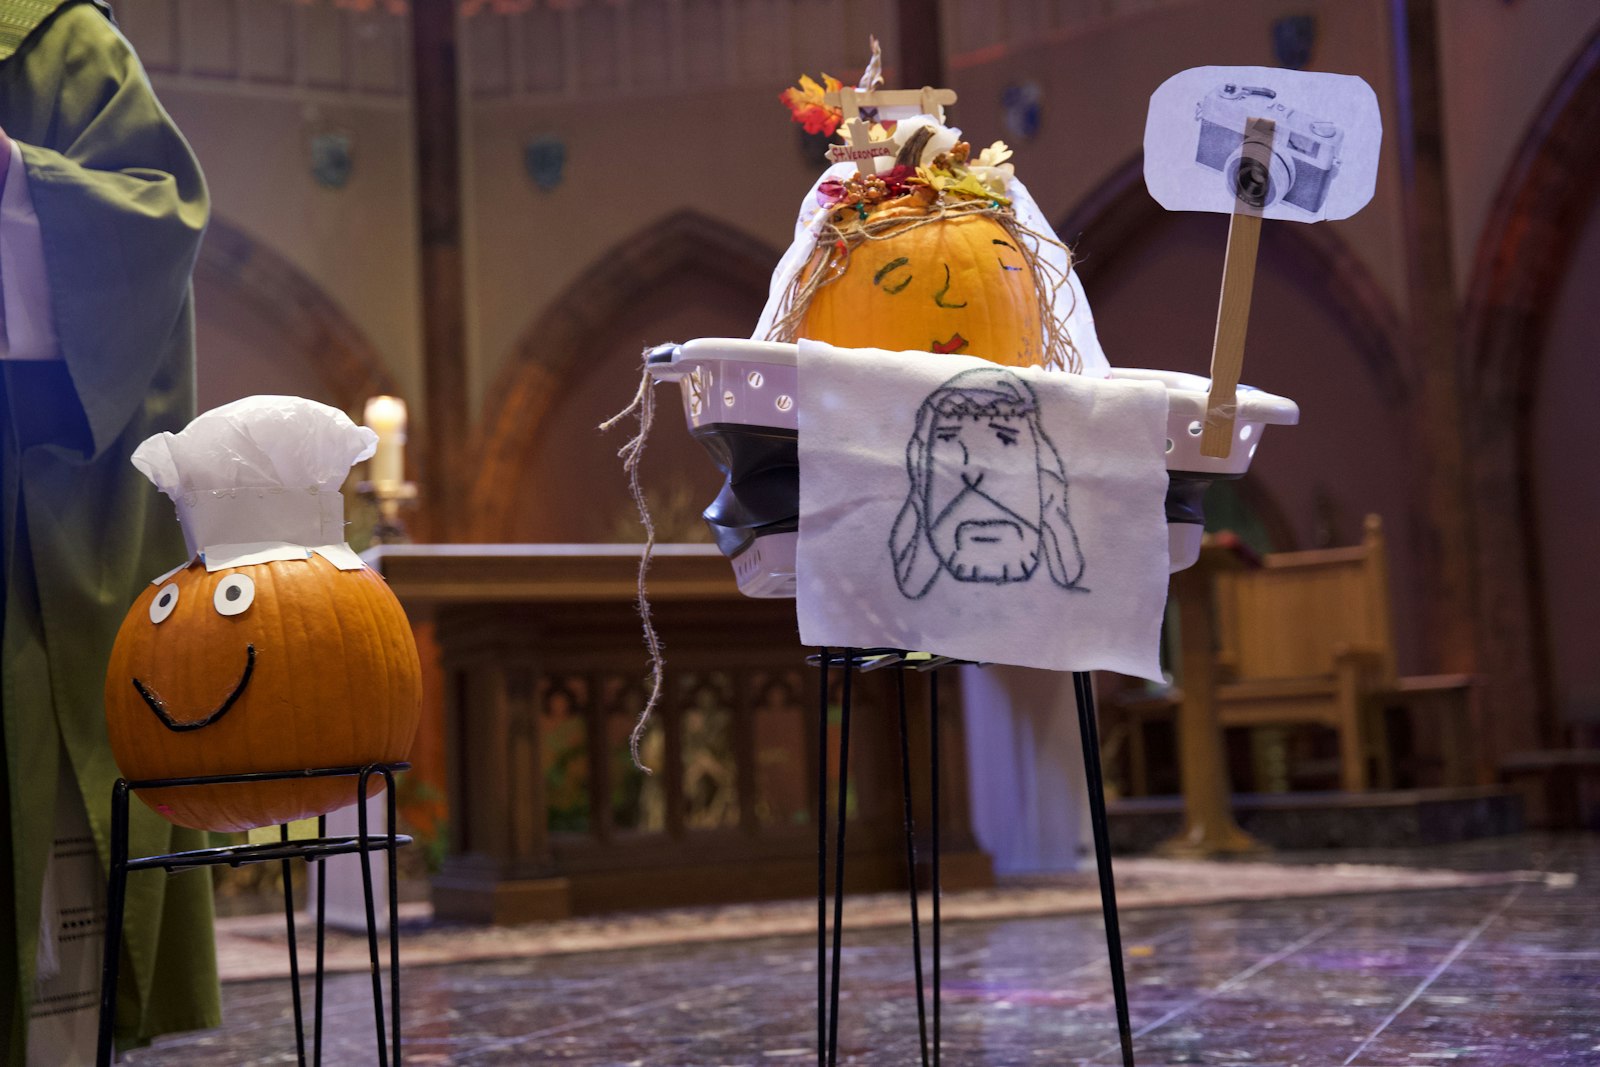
1083	688
314	850
852	660
838	868
828	984
911	866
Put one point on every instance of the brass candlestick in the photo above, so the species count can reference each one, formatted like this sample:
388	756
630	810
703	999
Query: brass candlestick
390	497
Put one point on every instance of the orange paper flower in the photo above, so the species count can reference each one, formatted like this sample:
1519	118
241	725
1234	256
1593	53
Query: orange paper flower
805	104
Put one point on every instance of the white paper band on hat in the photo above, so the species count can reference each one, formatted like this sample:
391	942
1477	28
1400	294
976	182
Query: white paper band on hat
221	557
341	555
213	518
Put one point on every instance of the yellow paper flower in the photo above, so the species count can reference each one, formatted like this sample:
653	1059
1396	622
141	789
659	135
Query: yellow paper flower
970	185
992	170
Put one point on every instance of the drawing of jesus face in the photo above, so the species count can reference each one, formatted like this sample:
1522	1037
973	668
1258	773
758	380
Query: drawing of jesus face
983	496
988	495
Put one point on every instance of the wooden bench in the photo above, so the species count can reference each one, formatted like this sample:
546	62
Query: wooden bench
1308	638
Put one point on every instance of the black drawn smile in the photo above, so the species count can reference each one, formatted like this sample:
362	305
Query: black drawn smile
159	706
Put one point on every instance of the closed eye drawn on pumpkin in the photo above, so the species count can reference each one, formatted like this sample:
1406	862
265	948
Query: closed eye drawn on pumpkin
979	309
938	298
1005	244
887	268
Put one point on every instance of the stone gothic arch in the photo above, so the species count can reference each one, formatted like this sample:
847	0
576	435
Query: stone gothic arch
246	290
1118	223
687	272
1120	215
1524	251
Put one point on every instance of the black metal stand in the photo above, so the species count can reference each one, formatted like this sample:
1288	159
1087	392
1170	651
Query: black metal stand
313	850
1083	689
852	660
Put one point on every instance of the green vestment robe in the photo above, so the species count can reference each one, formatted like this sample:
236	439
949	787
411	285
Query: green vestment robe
121	206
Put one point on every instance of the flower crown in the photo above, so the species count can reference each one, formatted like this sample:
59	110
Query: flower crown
930	166
911	173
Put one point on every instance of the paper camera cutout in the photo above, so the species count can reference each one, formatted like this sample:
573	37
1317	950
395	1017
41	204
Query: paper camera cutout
1282	144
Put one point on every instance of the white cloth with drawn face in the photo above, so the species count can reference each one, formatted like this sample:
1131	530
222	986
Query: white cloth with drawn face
998	514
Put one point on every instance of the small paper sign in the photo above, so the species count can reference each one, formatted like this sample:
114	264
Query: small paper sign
1281	144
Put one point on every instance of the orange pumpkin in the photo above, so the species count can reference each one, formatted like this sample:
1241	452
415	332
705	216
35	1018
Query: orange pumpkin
269	667
956	285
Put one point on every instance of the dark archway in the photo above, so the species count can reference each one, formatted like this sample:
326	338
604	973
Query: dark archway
1323	332
272	329
1153	278
543	471
1120	217
1525	249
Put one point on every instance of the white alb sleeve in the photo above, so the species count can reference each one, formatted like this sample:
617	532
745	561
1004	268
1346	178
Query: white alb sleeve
30	332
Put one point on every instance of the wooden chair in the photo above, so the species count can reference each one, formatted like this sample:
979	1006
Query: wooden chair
1308	638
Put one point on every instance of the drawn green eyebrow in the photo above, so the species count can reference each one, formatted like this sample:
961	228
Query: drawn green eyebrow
887	267
1008	244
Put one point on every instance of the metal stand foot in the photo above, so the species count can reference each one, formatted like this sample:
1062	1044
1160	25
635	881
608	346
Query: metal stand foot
1083	688
282	851
911	865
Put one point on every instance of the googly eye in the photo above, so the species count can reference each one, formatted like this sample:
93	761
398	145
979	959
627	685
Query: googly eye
164	603
234	594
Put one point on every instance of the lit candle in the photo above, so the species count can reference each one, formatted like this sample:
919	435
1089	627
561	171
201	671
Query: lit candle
386	416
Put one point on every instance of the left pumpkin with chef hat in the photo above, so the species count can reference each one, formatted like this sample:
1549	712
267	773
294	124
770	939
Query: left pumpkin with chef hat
275	648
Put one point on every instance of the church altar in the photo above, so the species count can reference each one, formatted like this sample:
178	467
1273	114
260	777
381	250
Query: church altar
544	675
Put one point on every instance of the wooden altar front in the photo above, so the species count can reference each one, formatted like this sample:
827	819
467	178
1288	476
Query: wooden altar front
544	675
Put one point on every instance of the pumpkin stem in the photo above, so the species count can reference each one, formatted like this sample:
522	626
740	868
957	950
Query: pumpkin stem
910	154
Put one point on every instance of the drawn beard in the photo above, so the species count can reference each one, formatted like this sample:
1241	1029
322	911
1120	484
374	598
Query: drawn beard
981	540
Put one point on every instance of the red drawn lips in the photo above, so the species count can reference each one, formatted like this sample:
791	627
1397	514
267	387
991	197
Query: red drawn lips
955	344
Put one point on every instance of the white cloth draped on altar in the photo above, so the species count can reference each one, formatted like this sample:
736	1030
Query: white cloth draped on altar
1030	807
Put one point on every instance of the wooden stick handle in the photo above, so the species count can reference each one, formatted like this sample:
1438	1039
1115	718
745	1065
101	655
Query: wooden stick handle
1233	316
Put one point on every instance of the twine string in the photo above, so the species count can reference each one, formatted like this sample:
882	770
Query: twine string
643	407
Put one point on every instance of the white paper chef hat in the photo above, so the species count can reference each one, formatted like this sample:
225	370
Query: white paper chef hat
1071	305
258	480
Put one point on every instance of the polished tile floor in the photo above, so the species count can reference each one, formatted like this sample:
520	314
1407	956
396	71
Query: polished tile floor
1503	975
